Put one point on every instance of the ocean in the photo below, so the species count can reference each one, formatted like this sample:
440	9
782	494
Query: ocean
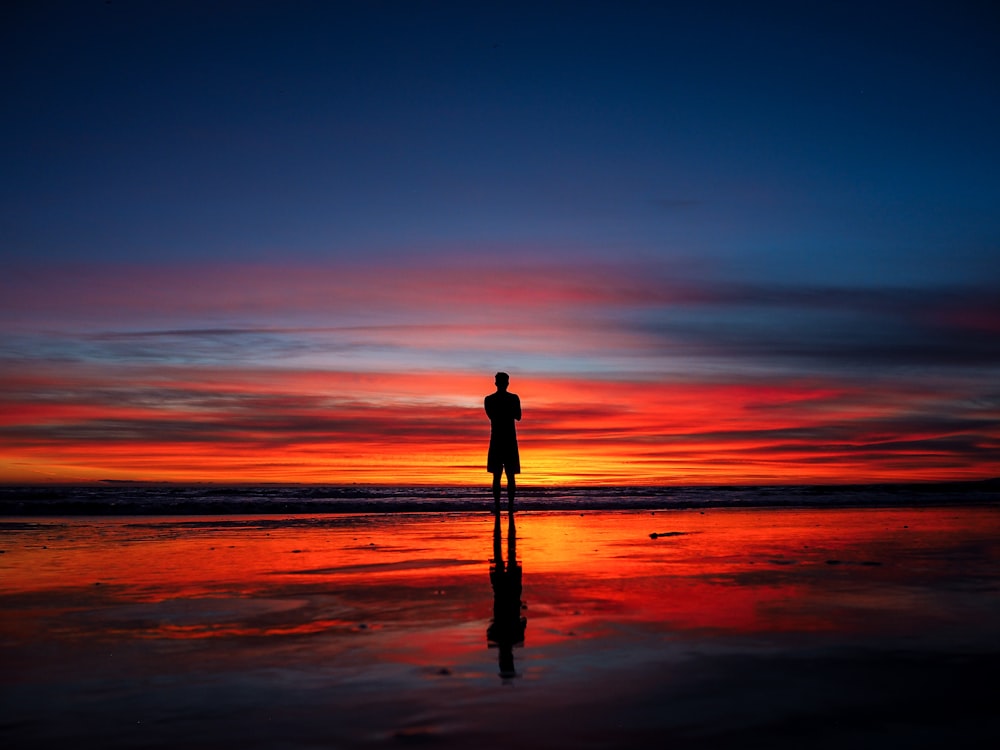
127	498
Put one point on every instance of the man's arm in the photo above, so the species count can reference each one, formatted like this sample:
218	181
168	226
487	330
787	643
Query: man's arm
517	408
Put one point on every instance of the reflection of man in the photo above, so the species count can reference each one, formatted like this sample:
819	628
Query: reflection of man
507	628
503	409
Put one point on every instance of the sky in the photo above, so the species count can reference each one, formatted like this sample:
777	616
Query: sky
711	242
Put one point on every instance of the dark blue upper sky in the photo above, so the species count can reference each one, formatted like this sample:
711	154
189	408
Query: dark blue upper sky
818	142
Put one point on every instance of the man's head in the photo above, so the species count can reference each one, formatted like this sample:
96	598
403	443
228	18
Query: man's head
502	380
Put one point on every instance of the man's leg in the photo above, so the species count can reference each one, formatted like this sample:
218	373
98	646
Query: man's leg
496	492
511	488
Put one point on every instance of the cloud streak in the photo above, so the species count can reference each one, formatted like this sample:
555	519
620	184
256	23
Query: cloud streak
626	377
277	425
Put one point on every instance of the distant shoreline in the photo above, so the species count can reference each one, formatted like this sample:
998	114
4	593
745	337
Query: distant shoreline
144	499
989	481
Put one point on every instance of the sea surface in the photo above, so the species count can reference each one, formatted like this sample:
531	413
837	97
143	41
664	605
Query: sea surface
127	498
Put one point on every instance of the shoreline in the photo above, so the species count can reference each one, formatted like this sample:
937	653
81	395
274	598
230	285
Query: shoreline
143	499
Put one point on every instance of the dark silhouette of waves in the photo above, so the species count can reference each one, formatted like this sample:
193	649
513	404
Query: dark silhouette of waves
140	498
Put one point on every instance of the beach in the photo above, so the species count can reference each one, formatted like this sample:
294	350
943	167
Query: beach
722	627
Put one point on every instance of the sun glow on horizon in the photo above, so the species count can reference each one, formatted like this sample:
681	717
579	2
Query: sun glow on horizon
429	429
625	378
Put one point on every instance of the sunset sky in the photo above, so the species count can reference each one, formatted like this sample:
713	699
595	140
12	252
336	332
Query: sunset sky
712	242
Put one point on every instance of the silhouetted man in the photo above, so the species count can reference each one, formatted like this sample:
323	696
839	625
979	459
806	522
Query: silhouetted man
503	409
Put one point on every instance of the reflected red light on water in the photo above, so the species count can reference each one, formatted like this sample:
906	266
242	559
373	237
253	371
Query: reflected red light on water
420	583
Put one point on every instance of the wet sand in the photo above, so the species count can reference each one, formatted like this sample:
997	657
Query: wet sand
727	628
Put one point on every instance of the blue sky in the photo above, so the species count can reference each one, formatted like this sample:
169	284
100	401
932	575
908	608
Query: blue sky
847	142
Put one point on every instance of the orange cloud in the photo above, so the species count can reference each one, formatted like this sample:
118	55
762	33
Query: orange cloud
356	374
426	428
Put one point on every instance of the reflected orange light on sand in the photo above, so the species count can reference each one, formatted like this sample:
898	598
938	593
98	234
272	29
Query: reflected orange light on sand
739	572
